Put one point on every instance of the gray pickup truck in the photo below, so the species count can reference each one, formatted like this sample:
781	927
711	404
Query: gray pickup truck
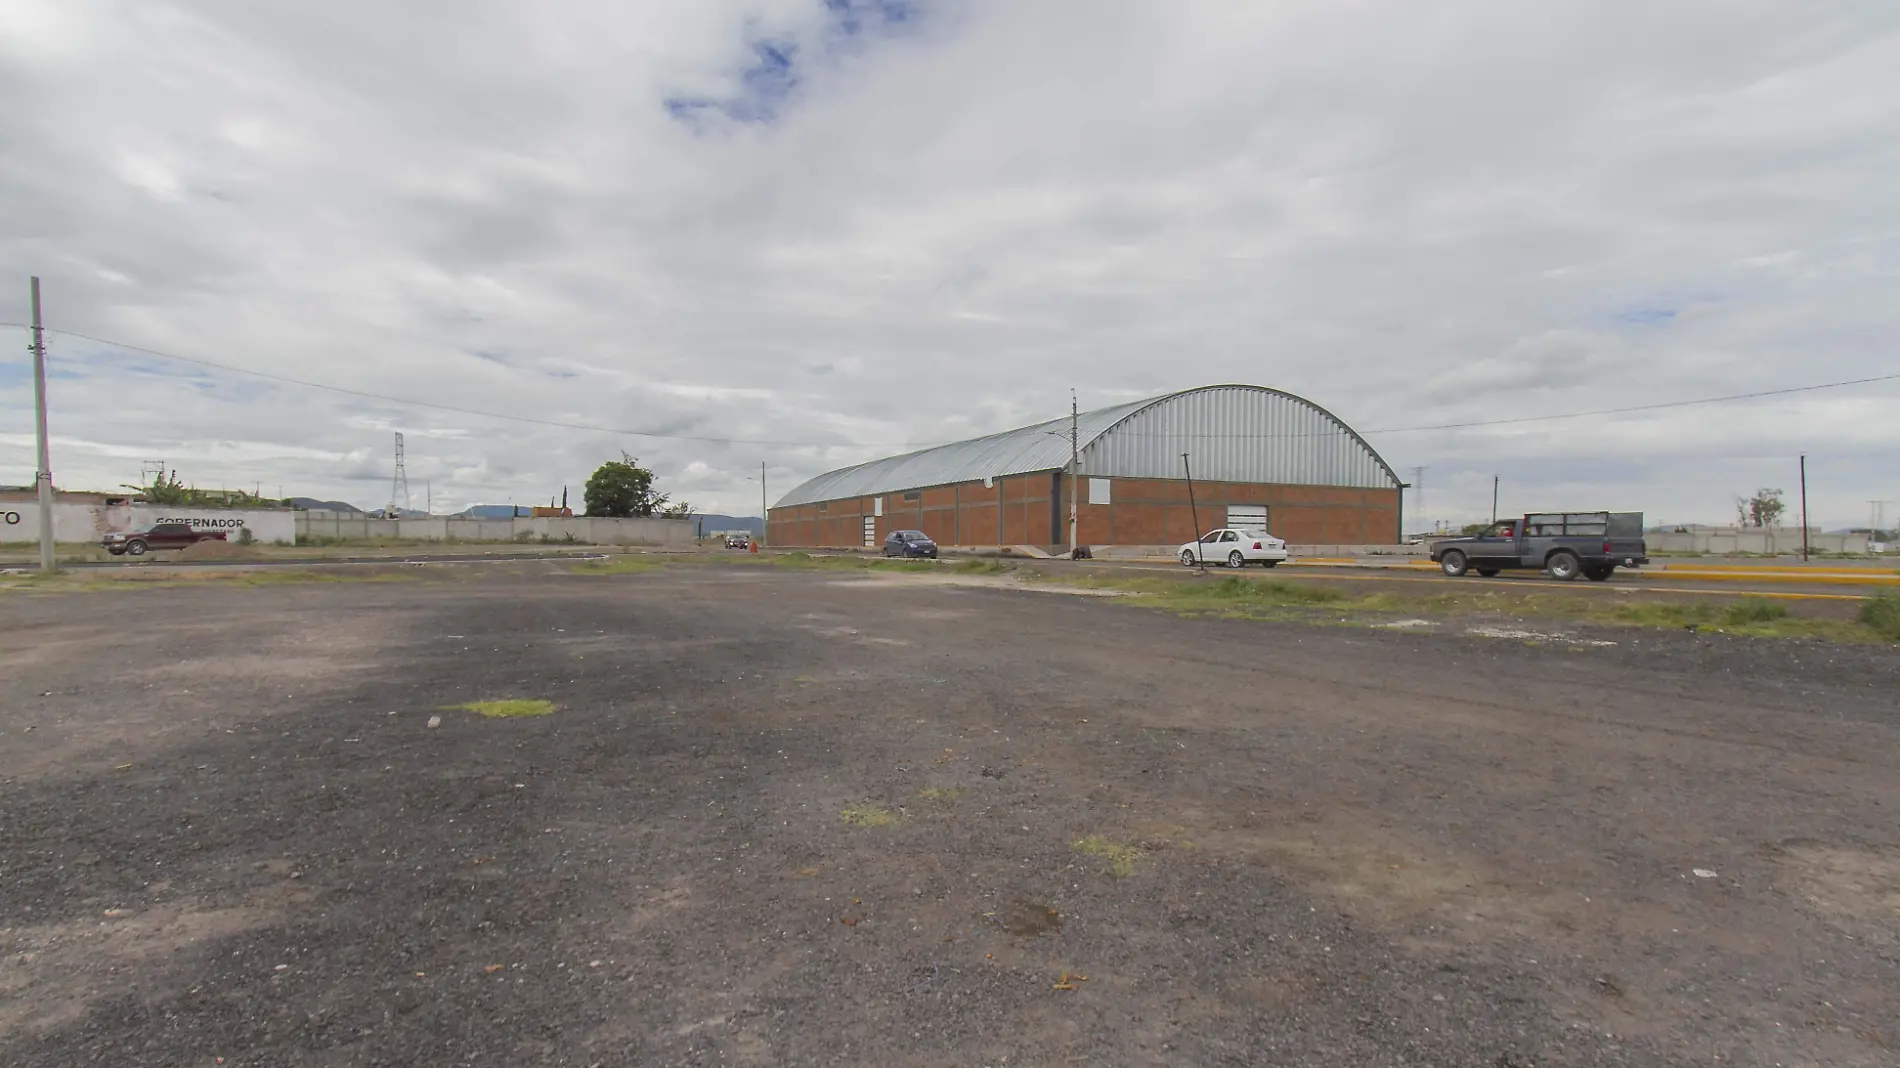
1562	544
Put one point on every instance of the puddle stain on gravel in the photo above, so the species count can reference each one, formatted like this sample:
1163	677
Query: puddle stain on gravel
1026	919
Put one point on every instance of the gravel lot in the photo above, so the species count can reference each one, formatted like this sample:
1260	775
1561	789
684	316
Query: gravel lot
805	818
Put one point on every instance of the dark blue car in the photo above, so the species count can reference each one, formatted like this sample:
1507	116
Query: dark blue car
910	543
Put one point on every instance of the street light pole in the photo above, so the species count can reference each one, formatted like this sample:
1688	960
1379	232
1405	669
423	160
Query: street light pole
43	478
1075	471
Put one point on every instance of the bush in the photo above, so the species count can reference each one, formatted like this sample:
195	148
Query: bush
1882	613
1754	610
245	537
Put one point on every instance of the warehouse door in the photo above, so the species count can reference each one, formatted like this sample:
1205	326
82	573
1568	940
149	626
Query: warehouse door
870	532
1248	517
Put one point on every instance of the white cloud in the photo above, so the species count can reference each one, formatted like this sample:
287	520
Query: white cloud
933	226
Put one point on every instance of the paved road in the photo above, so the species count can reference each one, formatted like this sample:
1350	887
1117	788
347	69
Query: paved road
802	818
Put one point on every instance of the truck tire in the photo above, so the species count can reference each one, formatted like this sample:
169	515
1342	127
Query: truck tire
1563	564
1453	563
1487	572
135	548
1600	573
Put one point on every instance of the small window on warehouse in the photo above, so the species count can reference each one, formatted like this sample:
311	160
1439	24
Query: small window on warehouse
824	506
1098	491
913	496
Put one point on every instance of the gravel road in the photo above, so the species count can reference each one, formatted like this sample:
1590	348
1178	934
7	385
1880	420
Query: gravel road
785	818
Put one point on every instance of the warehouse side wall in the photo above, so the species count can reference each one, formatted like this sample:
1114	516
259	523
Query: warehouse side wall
1033	510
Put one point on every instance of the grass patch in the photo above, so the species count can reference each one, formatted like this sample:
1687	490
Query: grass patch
619	565
804	561
984	567
945	794
868	815
1121	858
1882	616
507	709
1313	601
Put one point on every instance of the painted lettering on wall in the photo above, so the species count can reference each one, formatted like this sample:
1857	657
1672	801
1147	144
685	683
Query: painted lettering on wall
195	522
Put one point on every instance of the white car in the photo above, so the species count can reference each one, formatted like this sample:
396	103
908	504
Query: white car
1235	548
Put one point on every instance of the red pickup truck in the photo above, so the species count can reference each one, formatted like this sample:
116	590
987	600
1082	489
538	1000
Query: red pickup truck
158	536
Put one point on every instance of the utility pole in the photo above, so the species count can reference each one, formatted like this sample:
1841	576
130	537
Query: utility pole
763	514
1418	499
1075	470
1804	506
1494	498
43	478
1200	554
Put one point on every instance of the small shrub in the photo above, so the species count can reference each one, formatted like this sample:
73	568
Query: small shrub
1882	614
1754	610
245	537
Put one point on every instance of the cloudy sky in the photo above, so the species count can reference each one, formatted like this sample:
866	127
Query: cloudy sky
811	232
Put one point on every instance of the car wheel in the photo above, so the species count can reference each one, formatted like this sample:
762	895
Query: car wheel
1268	563
1235	560
1488	572
1598	574
135	548
1563	564
1453	563
1187	558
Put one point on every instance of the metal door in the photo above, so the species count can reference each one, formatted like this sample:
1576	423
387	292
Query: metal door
870	532
1248	517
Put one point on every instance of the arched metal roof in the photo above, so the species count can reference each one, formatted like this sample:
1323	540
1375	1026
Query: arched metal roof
1232	433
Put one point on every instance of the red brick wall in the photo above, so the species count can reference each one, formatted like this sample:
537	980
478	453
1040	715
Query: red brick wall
1140	512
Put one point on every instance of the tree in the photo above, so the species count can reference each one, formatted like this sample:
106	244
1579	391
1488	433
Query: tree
677	510
621	489
1762	510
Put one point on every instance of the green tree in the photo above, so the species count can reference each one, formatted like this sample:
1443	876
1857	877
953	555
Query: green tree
621	489
1762	510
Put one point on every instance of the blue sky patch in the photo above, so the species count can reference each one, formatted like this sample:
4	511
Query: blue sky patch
778	65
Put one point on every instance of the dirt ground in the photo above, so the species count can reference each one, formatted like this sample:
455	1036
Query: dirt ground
811	818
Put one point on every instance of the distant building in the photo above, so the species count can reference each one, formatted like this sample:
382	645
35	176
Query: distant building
1260	459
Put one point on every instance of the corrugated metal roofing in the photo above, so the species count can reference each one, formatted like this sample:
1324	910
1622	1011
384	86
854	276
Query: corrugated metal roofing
1232	433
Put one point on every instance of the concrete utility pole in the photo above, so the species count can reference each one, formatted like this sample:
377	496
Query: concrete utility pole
1804	506
1418	498
1075	470
43	478
762	512
1494	498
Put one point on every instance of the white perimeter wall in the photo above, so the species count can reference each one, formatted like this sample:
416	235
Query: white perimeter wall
589	530
20	521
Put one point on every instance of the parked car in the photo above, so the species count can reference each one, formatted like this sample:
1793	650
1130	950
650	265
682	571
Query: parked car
1235	548
738	541
910	543
1561	544
158	536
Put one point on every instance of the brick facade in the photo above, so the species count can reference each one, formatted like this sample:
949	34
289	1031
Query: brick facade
1033	509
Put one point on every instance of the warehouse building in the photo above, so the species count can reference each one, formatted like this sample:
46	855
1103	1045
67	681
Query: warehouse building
1258	457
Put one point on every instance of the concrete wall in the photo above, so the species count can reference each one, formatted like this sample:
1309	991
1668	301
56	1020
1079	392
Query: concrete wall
1033	509
19	521
1766	540
591	530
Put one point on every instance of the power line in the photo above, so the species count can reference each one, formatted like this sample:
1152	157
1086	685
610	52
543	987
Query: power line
1469	425
476	411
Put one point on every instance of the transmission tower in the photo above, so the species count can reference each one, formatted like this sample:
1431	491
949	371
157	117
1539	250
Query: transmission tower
399	486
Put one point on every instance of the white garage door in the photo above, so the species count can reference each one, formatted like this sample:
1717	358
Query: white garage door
1247	517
